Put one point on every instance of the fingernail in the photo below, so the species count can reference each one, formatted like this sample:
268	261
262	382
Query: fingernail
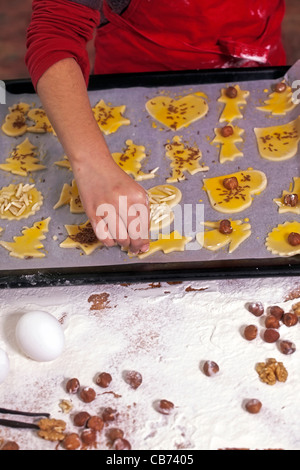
145	248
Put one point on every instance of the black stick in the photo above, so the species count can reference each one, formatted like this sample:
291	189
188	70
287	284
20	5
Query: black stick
17	424
22	413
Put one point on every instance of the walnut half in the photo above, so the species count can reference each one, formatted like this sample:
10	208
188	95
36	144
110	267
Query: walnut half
52	429
271	371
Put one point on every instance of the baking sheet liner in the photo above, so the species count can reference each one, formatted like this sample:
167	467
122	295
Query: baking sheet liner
262	214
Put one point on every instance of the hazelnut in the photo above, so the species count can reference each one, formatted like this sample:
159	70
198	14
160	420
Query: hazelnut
225	227
210	368
272	322
87	394
276	312
290	200
230	183
72	386
108	414
88	436
226	131
165	407
231	92
253	406
294	238
71	441
271	336
250	332
10	445
256	308
103	379
115	433
122	444
81	418
290	319
287	347
280	87
95	422
133	378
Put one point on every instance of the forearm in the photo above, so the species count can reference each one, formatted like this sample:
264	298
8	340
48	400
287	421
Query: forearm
63	93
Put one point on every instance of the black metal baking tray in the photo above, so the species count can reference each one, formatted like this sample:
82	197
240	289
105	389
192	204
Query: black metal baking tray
169	271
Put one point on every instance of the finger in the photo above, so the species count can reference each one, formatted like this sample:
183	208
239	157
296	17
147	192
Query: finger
122	236
103	233
138	227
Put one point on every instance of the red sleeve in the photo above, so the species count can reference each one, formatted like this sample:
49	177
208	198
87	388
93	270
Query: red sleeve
59	29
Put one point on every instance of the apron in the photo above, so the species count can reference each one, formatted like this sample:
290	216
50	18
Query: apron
149	35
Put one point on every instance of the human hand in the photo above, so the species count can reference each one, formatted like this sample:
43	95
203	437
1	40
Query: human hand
115	204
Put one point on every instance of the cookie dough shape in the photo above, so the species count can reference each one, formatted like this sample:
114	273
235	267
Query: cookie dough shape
232	108
81	236
29	244
22	160
250	182
294	189
19	201
161	200
41	122
214	240
176	114
110	118
277	240
64	163
167	243
130	161
228	150
184	158
70	195
279	104
278	143
15	122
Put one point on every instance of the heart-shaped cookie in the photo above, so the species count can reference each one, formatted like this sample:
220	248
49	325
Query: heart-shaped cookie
233	193
176	114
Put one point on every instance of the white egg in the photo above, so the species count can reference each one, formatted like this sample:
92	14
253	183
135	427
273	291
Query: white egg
4	365
40	336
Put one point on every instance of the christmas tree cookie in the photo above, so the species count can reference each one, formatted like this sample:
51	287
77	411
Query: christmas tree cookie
28	245
23	160
280	101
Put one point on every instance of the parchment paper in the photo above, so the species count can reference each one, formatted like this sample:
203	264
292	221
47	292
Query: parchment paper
263	213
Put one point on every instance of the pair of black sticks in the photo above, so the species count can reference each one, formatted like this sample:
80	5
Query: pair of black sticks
19	424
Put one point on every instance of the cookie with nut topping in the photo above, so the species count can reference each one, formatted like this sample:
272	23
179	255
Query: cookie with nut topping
225	232
284	239
234	192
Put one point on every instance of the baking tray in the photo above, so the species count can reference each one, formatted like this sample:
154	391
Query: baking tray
159	267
